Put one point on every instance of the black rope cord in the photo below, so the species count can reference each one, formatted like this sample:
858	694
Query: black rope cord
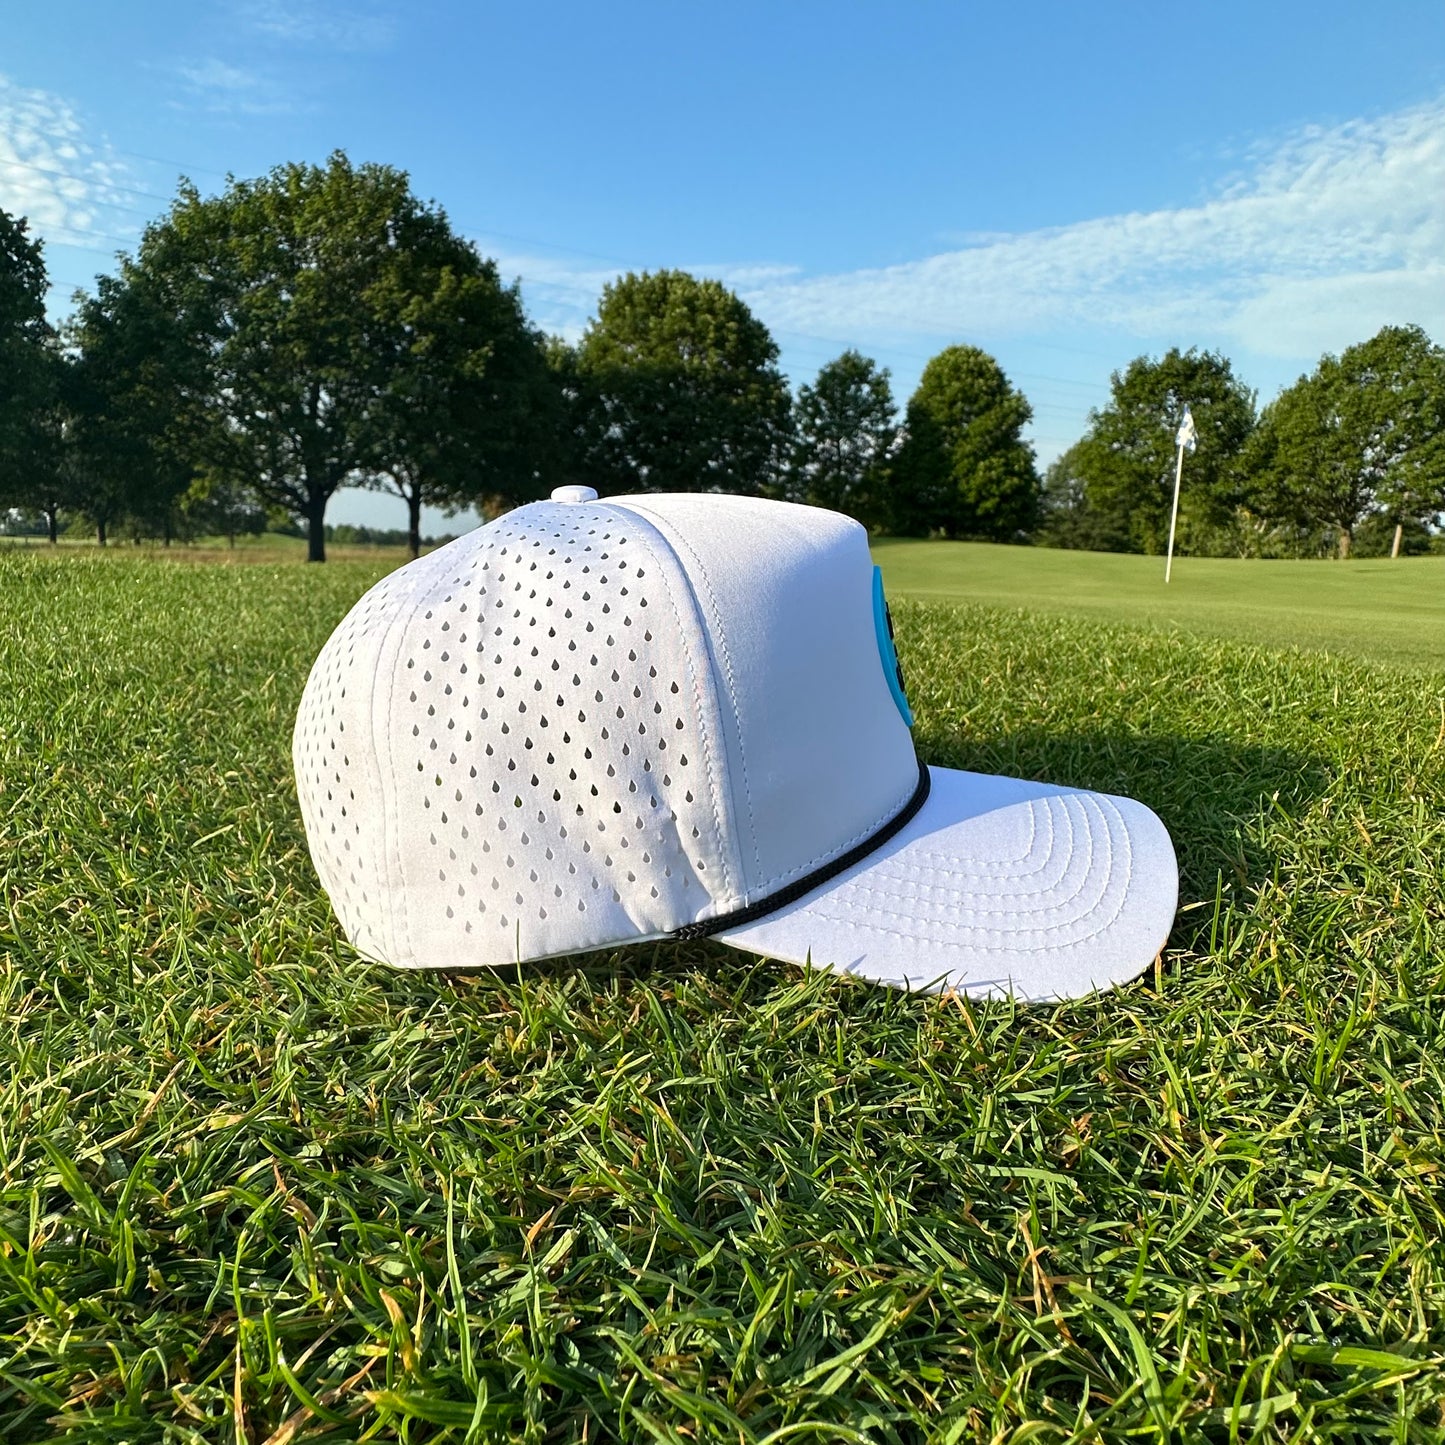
819	876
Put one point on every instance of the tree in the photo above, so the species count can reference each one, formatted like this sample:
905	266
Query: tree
468	412
1128	455
292	291
27	364
846	429
215	506
46	480
136	406
963	468
1066	516
676	388
1362	435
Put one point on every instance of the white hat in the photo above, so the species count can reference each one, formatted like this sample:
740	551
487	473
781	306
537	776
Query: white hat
592	723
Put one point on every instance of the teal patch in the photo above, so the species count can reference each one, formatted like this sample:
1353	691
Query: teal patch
883	626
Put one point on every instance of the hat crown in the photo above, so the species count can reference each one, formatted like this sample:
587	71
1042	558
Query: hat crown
587	723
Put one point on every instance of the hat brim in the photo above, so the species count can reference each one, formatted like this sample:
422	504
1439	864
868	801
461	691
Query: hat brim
997	886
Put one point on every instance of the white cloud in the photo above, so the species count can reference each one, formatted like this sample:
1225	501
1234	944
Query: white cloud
1302	317
1314	242
221	88
218	75
70	190
312	22
1323	239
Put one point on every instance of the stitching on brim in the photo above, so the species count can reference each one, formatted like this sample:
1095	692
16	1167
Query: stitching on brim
1126	881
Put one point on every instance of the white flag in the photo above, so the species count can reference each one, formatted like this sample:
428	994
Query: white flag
1186	434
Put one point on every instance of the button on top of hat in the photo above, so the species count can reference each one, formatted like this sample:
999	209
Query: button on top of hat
575	494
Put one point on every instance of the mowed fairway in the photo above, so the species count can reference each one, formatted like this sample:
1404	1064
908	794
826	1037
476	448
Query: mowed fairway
1392	611
253	1188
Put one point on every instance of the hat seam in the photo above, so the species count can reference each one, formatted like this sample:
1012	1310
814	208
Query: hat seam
678	542
836	850
733	887
392	836
762	887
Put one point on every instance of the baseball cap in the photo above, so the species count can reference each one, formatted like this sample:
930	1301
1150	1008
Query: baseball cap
598	722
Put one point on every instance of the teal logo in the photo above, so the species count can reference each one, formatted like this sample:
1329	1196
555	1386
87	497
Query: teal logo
883	626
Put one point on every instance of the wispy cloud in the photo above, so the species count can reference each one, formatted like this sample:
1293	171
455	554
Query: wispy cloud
1322	238
274	36
313	22
1313	242
71	189
221	88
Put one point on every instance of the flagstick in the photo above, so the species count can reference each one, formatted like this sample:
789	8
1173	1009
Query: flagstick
1174	513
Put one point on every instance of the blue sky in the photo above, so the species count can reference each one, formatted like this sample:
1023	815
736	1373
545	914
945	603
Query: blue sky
1065	185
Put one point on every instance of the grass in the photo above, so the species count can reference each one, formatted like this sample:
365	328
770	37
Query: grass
1371	607
1375	608
254	1189
268	549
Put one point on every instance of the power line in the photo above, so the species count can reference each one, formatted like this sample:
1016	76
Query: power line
180	166
90	182
52	240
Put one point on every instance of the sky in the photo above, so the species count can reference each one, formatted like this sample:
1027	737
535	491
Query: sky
1067	186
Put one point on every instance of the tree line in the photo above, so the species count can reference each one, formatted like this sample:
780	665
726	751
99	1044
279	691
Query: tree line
1351	458
321	327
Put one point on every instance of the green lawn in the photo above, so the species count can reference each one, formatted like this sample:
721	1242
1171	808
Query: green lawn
255	1189
269	548
1376	608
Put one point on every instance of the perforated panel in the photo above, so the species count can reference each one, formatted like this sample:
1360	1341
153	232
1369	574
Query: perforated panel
544	734
338	778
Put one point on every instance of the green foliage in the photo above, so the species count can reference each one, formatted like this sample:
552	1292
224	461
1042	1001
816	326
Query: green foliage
1363	434
216	506
963	469
340	332
347	534
252	1187
468	413
846	431
675	387
1128	457
136	404
27	363
22	283
1067	518
1375	537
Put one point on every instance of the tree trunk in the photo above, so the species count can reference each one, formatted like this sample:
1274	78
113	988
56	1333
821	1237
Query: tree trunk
413	513
1395	545
100	531
316	528
1347	538
52	524
232	538
167	525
